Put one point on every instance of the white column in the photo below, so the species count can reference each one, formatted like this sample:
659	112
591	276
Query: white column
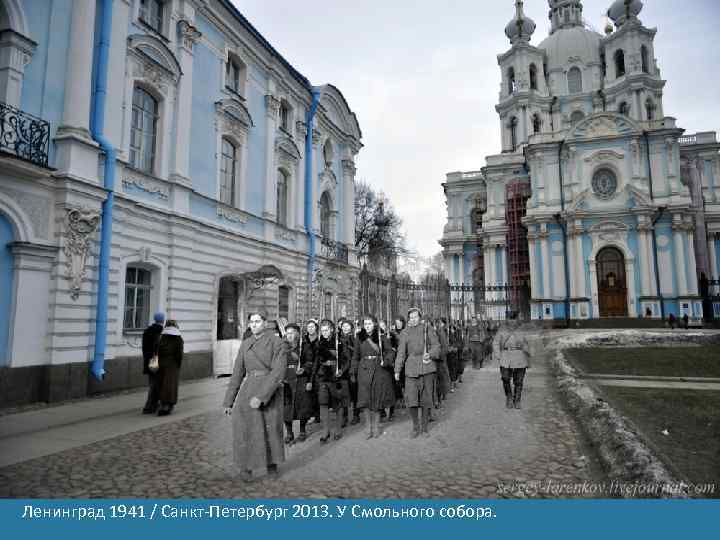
78	81
632	294
314	182
504	274
692	268
461	267
713	257
579	263
644	263
680	261
533	266
547	291
349	205
272	108
15	54
180	171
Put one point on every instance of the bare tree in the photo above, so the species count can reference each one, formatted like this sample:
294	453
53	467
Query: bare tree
378	235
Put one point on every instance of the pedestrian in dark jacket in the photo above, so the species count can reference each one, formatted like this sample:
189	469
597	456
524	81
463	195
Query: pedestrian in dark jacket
150	339
254	399
372	369
347	350
170	355
331	379
397	329
299	400
443	374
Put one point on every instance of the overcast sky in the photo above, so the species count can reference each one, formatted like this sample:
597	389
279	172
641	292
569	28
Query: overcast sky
423	79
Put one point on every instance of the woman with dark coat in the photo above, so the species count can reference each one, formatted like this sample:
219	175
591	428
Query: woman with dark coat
331	380
397	328
299	402
372	369
170	355
347	350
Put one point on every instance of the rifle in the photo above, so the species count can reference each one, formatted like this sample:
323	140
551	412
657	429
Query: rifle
297	368
337	352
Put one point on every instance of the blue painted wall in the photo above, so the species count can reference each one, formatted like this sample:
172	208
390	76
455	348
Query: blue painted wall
6	286
43	92
203	140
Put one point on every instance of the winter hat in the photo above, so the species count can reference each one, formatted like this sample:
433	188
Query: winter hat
159	317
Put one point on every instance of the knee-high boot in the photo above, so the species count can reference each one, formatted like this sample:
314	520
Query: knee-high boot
415	415
325	420
508	393
425	420
370	421
339	420
518	395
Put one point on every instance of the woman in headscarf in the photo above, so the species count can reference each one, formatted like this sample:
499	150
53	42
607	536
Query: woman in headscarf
170	355
372	369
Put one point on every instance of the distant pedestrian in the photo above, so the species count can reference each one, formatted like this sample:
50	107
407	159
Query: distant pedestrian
170	355
150	339
672	321
512	351
477	340
255	401
686	321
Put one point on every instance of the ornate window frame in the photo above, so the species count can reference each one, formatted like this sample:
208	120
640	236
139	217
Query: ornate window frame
142	258
233	122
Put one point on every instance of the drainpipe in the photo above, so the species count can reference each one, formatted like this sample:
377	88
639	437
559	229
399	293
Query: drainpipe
655	220
309	122
97	126
552	123
563	226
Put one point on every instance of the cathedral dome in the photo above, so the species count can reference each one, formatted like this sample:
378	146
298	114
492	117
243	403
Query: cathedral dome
521	27
620	9
575	42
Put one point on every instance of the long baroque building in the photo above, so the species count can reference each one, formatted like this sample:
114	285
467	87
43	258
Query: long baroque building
599	203
217	177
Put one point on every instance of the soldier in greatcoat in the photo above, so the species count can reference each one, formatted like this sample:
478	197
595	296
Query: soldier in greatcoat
372	369
299	402
255	401
417	347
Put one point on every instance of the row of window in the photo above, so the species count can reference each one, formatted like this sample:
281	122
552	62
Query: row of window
138	304
574	75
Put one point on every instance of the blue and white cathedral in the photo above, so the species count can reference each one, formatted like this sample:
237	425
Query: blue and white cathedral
598	203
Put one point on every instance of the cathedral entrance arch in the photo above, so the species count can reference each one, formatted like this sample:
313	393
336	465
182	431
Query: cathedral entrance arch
612	283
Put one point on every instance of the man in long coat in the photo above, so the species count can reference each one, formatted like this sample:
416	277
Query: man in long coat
255	400
417	348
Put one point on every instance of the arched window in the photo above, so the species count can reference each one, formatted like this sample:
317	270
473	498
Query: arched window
536	123
650	110
285	115
624	109
235	75
513	133
138	286
512	85
574	77
328	153
644	59
619	63
576	116
143	130
533	77
282	198
151	13
325	214
228	169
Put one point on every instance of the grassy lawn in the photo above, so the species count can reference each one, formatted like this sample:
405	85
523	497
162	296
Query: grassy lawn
691	418
649	361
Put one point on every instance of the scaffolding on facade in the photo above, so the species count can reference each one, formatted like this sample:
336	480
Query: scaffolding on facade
518	255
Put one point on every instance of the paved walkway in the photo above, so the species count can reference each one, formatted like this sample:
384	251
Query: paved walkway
477	449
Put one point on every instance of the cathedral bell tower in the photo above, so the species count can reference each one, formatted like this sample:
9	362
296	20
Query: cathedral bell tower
524	103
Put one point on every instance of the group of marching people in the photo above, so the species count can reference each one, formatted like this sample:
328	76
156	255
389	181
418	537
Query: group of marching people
335	373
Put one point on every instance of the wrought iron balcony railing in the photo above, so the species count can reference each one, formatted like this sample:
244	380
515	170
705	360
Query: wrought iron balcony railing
24	135
334	251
